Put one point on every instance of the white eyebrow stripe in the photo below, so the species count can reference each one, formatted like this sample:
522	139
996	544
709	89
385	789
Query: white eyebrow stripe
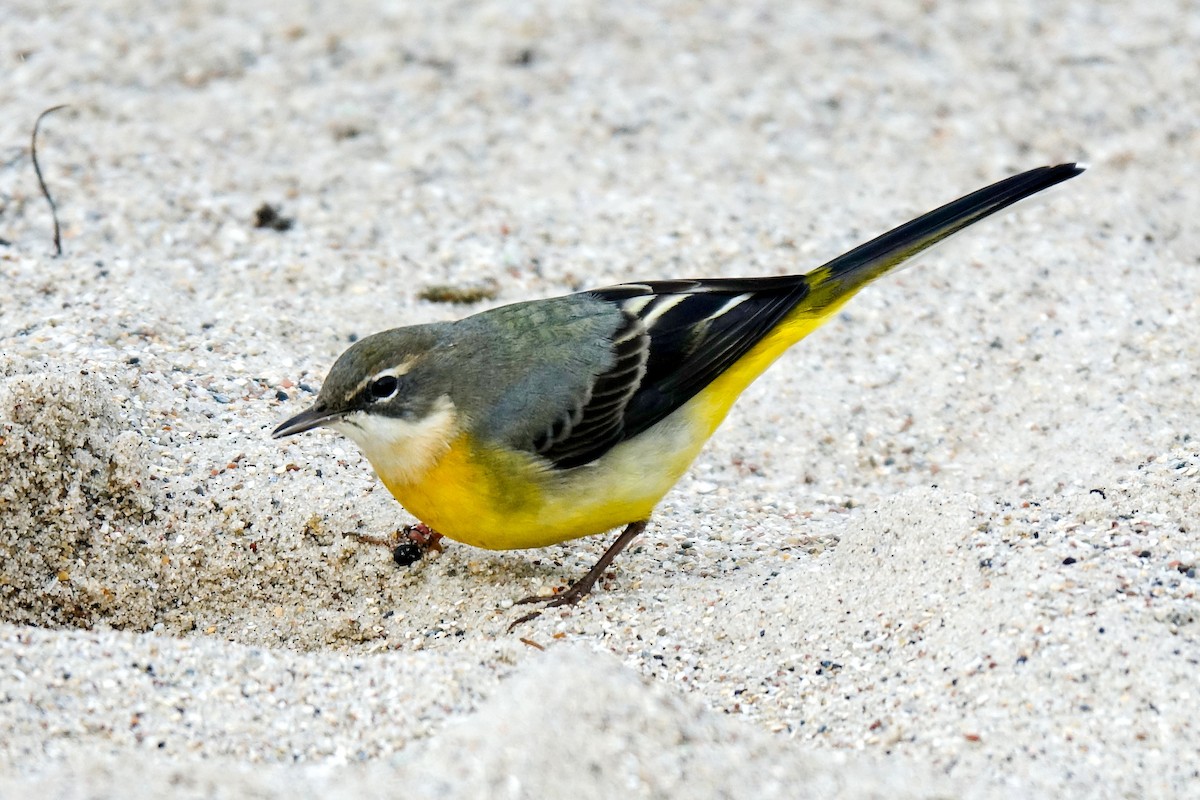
400	369
733	303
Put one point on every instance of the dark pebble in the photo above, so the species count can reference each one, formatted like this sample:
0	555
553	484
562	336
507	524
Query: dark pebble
268	216
407	554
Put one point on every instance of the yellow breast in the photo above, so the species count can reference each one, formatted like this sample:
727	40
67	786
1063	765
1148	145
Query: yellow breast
502	500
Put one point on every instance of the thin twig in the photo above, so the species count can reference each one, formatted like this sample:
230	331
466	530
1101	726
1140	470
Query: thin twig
41	182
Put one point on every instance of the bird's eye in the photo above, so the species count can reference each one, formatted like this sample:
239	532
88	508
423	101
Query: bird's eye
384	387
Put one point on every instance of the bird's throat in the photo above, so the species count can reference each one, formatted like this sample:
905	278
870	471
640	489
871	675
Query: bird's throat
403	451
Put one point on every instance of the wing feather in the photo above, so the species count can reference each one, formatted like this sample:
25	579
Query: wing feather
677	338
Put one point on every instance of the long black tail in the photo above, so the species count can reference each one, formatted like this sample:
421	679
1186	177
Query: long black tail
836	281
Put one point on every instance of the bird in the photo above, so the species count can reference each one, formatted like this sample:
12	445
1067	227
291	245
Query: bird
548	420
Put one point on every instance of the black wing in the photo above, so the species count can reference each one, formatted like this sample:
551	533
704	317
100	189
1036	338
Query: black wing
677	338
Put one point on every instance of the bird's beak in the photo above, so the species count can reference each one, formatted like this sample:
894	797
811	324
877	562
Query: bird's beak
306	421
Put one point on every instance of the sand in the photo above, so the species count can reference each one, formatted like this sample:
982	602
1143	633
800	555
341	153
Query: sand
946	547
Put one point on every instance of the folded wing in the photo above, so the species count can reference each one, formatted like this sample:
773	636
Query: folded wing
677	338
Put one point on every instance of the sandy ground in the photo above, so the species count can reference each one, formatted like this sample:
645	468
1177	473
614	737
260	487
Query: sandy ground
946	547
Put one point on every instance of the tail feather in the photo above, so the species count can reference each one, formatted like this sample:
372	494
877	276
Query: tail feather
836	281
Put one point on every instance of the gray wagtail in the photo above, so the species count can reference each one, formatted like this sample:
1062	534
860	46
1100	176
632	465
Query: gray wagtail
547	420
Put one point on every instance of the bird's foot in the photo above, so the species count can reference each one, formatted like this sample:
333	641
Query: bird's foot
568	597
582	587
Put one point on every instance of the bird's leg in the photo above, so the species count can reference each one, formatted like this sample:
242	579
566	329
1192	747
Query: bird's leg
583	586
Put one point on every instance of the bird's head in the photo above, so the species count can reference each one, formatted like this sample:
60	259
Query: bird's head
385	393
